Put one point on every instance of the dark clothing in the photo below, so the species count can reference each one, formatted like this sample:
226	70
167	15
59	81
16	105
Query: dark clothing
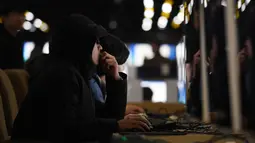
59	106
115	102
11	54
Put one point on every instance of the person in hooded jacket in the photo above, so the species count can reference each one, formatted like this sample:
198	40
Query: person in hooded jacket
11	56
59	105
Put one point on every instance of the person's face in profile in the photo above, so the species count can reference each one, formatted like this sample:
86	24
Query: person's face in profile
14	20
96	52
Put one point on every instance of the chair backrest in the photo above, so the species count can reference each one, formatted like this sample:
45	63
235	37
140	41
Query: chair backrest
3	129
19	80
9	100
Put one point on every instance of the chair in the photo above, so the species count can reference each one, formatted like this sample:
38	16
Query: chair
3	129
9	100
19	80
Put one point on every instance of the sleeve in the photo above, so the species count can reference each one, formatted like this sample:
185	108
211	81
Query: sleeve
69	118
116	97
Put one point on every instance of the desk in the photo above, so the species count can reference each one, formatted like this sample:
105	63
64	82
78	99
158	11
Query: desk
191	138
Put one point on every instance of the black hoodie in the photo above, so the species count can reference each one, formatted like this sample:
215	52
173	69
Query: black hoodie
59	106
11	56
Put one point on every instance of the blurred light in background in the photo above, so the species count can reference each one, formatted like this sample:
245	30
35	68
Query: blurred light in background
165	14
179	18
44	27
181	92
27	25
168	51
29	16
113	25
243	7
38	23
247	2
239	4
148	3
166	7
27	49
159	89
162	22
140	52
148	14
147	24
33	29
46	49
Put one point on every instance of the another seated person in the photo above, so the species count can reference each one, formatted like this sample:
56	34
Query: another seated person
59	106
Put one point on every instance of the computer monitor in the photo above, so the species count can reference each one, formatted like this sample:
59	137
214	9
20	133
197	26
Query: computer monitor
28	47
159	89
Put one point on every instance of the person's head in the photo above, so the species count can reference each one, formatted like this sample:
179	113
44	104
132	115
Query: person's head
147	94
76	39
13	17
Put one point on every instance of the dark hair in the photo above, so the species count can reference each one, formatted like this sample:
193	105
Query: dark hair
6	9
147	94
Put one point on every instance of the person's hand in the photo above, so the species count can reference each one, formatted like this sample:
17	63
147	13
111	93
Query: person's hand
134	121
110	65
133	109
196	60
196	57
242	56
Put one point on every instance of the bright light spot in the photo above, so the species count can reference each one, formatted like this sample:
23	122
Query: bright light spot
205	3
239	4
180	51
33	29
44	27
182	8
38	23
162	22
113	24
186	20
146	27
180	16
46	48
243	7
166	7
177	21
247	2
224	3
192	2
27	25
29	16
148	3
165	51
159	89
138	53
190	8
147	24
148	13
28	48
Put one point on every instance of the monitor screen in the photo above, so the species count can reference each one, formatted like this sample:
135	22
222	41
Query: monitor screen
28	47
141	51
159	89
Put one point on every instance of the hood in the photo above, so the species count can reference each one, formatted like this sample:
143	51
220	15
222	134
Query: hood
36	65
114	46
73	40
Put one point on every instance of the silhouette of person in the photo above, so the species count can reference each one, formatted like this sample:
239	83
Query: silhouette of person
147	94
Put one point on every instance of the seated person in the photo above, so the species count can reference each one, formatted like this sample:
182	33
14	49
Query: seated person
59	106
